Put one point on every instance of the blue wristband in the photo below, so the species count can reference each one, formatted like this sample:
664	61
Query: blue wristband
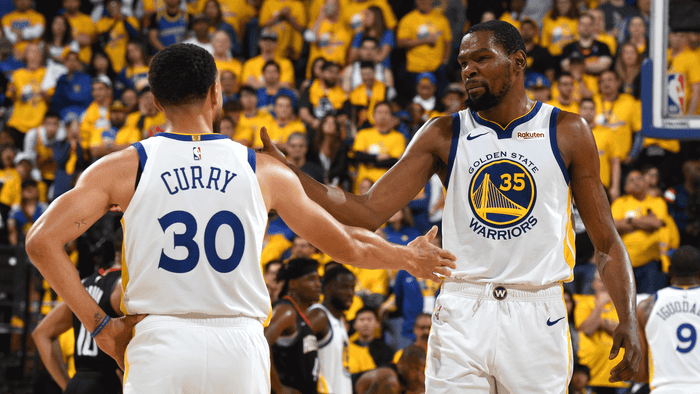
100	327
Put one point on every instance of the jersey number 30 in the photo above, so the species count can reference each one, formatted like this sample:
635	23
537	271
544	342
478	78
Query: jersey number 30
186	240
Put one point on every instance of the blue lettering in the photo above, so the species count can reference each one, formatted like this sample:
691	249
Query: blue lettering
162	176
491	234
187	184
196	177
501	235
474	225
213	178
223	189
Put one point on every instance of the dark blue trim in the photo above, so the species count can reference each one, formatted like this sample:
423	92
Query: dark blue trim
553	142
251	158
453	146
142	154
656	296
683	288
189	137
508	131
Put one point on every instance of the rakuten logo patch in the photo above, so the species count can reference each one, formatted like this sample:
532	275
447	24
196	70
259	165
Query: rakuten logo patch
526	135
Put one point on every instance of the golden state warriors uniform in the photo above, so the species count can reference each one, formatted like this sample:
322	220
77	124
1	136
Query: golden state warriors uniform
193	235
672	334
500	321
333	353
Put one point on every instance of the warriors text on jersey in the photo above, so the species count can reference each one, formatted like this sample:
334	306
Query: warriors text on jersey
507	212
193	230
672	334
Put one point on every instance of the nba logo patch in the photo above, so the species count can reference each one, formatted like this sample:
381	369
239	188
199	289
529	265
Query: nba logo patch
676	94
197	153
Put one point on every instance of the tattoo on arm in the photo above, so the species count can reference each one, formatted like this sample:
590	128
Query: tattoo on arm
98	318
81	223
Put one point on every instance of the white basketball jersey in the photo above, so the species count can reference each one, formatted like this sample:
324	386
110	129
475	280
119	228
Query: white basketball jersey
333	353
193	231
507	213
672	333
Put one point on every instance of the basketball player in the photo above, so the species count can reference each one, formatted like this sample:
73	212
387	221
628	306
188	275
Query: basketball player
96	372
327	322
669	322
195	208
510	166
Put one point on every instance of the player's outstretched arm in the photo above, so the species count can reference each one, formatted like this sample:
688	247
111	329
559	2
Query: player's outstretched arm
109	181
580	153
347	245
45	336
425	155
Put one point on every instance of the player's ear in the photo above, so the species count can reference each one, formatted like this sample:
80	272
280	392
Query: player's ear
157	104
520	59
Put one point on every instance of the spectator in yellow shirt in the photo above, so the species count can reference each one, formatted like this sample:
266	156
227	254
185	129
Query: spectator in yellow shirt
608	152
83	28
284	125
11	192
618	111
96	117
252	68
354	13
24	89
683	62
640	219
288	19
119	29
378	148
427	37
222	55
324	96
331	38
366	96
252	118
116	137
560	26
23	26
585	85
565	99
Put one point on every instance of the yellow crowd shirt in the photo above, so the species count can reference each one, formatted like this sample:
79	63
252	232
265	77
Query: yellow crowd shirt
82	24
94	120
556	34
332	44
29	105
607	150
279	134
590	81
336	95
23	20
369	280
368	98
353	13
44	159
360	359
253	68
608	40
118	39
416	25
373	142
232	65
673	146
152	125
623	116
275	247
573	107
237	13
11	192
248	128
594	350
137	75
642	246
289	41
125	135
687	64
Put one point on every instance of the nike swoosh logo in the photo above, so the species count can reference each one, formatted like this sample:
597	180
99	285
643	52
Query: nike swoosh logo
551	323
471	137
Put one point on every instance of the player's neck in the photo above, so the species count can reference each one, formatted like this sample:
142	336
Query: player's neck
189	120
683	281
512	107
333	310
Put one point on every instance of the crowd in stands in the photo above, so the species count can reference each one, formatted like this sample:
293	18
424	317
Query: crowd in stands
342	86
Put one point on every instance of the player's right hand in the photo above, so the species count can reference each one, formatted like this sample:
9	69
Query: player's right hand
270	148
626	336
428	260
116	335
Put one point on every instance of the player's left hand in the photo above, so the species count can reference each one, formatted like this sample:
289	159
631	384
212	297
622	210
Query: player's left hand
116	335
626	336
430	259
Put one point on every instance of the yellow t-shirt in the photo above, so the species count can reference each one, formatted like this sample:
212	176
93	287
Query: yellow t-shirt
137	75
29	105
353	13
125	135
372	141
253	68
556	34
276	245
95	119
118	39
11	192
289	41
237	13
608	40
248	128
573	107
331	44
642	246
373	281
67	343
594	350
590	81
336	95
416	25
607	150
232	65
82	23
22	20
623	116
151	124
279	134
669	145
363	97
686	63
359	358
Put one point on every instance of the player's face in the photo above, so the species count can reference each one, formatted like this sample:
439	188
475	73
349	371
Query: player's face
310	287
342	291
486	70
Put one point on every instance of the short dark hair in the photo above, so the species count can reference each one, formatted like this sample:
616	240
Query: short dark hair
52	114
248	89
366	64
181	74
233	106
368	38
332	273
271	63
28	183
586	100
564	74
387	103
685	262
367	309
328	64
504	34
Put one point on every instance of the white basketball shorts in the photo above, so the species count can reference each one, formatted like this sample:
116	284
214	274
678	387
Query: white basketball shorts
171	354
499	339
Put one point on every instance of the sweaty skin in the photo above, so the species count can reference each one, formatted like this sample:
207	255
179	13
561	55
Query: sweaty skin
486	66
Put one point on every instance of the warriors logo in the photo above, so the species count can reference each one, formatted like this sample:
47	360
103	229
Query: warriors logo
502	193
